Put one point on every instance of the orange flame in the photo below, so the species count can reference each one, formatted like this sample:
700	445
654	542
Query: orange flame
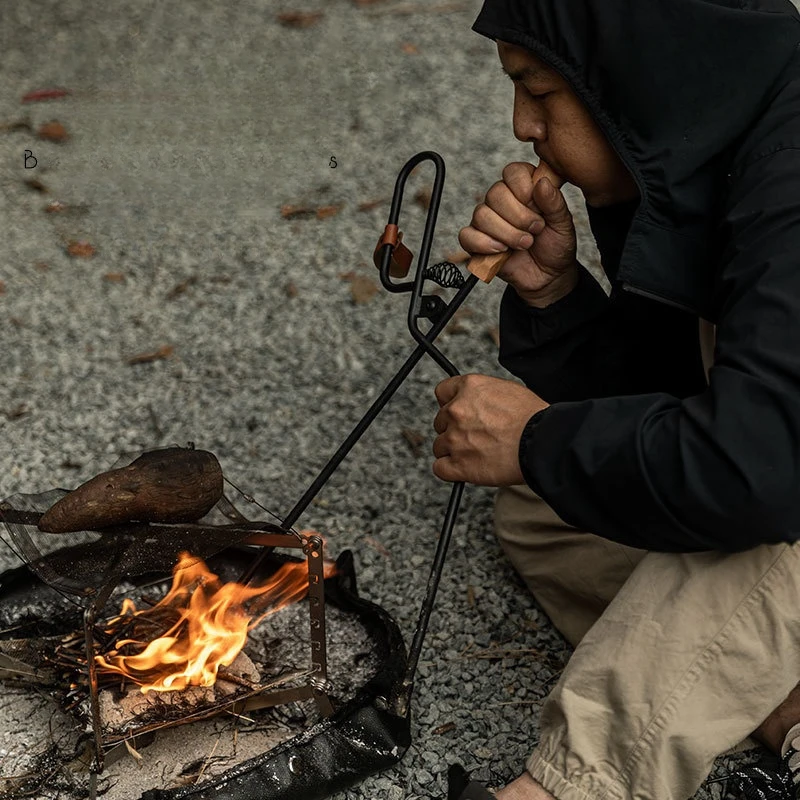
211	623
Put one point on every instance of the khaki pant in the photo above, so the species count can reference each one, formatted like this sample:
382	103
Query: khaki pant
678	656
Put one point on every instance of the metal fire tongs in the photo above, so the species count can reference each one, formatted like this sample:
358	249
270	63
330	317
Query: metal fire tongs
394	260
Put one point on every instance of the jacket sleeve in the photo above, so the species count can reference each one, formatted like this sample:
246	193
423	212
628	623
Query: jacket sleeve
718	470
590	345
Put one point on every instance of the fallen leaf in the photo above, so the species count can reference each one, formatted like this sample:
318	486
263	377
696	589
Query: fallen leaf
80	248
368	205
181	287
456	324
55	206
53	132
415	441
363	289
289	211
446	728
133	751
300	19
470	595
17	411
165	351
423	198
377	546
17	125
409	48
456	256
323	212
290	289
44	94
114	277
36	185
494	335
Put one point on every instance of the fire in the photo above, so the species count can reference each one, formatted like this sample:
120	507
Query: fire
206	623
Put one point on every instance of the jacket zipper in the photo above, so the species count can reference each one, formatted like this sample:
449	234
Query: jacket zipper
657	297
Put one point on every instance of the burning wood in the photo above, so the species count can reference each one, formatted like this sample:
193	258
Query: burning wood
200	626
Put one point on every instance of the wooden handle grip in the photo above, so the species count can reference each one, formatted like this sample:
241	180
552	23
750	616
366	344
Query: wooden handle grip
486	266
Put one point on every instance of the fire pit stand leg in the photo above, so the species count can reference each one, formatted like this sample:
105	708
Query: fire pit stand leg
316	599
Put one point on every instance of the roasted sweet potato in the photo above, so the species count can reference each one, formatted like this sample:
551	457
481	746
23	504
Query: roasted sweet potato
170	485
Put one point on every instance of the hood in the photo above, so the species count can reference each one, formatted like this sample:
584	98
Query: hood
674	84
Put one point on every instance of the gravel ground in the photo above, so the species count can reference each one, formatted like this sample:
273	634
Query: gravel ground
189	127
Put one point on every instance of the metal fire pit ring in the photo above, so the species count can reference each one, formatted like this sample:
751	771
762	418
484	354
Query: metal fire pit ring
362	737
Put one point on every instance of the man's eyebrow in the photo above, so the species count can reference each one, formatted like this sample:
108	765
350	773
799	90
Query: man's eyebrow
526	73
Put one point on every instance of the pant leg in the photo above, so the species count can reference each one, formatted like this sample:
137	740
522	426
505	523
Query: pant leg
572	574
692	654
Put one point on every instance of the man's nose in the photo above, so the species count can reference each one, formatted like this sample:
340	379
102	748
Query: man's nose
529	125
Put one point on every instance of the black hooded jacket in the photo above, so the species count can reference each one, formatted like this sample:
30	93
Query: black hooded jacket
701	101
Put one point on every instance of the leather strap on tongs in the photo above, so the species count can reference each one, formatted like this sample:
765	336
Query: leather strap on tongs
401	258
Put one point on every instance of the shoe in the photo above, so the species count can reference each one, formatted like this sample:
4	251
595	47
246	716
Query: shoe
773	778
460	787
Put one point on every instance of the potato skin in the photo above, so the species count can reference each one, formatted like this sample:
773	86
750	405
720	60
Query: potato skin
175	484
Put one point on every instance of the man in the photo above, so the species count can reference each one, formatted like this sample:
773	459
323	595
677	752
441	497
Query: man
650	500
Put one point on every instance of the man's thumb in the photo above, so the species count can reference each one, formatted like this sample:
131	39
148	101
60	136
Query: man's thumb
552	204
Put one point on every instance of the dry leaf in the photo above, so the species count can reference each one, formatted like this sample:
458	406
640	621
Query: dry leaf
181	287
494	335
290	289
363	289
456	324
55	206
80	248
300	19
114	277
135	753
53	132
36	185
415	441
423	197
17	411
376	545
165	351
44	94
409	48
289	211
446	728
17	125
323	212
368	205
456	256
470	595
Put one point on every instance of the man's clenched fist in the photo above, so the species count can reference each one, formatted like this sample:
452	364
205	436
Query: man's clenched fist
480	422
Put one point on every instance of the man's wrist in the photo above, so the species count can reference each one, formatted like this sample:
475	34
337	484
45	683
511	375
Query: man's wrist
555	291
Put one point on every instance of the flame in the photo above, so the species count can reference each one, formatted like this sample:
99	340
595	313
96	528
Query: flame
209	620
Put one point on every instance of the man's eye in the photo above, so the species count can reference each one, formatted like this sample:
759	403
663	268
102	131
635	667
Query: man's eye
541	96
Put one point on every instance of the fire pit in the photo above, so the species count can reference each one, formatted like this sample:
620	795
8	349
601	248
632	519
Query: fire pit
99	628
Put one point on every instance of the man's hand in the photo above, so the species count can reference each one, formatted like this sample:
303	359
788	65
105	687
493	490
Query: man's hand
480	422
527	212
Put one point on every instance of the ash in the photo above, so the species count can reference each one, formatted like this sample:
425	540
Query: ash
45	753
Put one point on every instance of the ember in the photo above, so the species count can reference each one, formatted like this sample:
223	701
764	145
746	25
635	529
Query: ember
203	625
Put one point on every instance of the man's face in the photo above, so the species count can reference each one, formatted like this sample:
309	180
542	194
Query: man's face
551	116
